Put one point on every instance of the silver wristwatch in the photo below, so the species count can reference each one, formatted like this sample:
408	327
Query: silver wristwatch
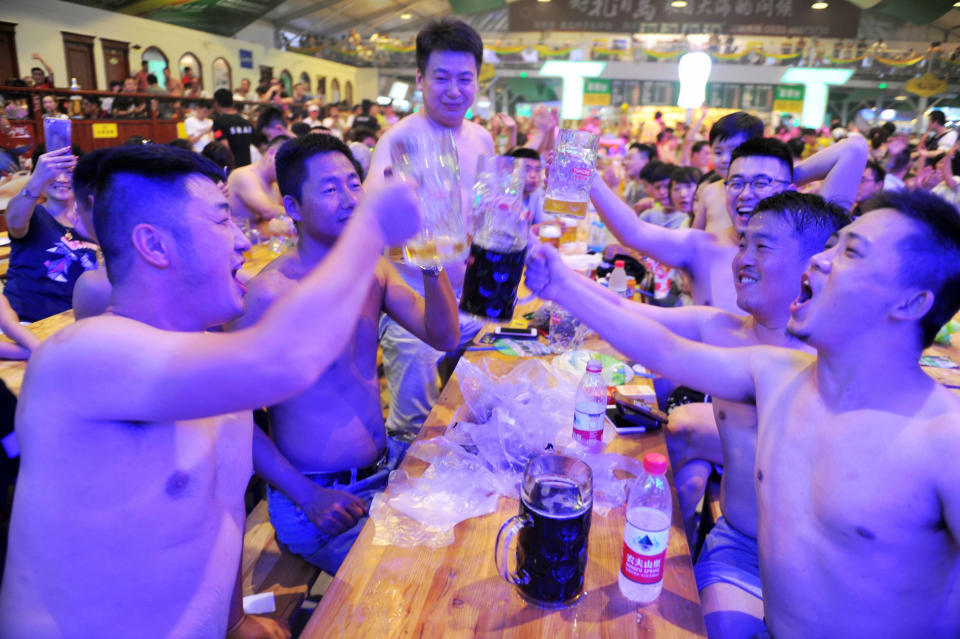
27	194
432	271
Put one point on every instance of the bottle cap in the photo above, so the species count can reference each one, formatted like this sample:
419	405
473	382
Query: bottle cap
619	264
594	366
655	463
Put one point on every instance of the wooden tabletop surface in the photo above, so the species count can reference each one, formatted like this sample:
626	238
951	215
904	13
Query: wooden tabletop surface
388	591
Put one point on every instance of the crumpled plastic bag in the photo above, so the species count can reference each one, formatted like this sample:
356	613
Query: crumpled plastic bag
393	528
508	416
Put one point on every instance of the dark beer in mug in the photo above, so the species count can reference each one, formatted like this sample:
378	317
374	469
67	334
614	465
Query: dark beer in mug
552	545
490	283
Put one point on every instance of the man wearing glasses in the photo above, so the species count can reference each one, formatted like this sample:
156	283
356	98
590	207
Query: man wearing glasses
870	184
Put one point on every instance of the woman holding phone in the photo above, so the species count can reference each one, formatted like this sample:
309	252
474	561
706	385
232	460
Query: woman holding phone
49	249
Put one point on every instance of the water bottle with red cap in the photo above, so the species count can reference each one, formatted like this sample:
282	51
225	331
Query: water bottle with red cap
590	405
618	279
646	532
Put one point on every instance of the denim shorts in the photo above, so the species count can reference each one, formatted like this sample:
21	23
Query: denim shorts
301	537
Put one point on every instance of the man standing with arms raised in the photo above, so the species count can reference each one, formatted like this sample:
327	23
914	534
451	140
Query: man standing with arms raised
128	515
449	54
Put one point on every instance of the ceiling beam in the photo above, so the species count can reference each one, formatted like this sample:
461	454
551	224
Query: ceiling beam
370	17
313	8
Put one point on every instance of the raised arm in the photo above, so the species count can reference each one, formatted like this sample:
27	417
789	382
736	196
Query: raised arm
840	166
673	247
724	372
20	207
46	67
433	318
691	137
179	375
542	137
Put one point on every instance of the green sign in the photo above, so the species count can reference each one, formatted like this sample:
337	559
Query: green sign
789	92
596	92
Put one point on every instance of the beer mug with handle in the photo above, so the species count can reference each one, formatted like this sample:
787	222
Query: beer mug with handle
501	232
568	179
429	159
556	500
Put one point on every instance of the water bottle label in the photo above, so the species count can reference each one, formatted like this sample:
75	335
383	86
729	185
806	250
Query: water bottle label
587	427
644	554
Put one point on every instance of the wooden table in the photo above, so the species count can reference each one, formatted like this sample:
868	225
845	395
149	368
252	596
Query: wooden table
258	257
387	591
11	372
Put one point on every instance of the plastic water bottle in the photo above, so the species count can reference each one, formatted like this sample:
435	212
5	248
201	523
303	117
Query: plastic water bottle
646	532
590	405
596	238
618	279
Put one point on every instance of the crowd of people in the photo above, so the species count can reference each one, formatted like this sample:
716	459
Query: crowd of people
789	280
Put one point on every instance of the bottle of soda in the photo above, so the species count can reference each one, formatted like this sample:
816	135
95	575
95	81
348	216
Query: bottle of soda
590	405
618	279
646	532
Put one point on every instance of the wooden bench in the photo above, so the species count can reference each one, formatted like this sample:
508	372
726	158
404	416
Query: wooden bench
268	568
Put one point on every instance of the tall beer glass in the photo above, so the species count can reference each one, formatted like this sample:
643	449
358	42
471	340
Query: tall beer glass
429	158
502	228
568	182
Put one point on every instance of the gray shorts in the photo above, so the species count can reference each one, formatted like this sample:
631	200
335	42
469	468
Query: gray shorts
730	557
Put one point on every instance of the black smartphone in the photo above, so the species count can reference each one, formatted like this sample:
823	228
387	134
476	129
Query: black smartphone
633	424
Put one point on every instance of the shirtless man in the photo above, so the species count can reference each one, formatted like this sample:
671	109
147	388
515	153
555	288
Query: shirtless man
128	515
857	483
337	424
449	54
254	194
760	167
726	134
775	248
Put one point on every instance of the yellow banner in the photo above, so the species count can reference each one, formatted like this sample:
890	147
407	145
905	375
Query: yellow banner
926	85
776	56
899	63
788	106
662	55
105	130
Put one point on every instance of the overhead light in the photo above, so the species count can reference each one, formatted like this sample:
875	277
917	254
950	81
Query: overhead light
819	5
678	4
694	71
572	74
543	0
815	83
957	4
888	114
900	97
406	16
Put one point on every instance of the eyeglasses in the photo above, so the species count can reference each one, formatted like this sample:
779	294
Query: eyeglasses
760	184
